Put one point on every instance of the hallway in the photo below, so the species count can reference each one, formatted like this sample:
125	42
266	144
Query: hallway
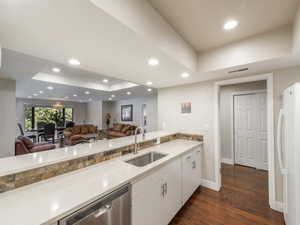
243	200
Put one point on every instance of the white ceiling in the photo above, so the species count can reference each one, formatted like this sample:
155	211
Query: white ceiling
200	21
23	68
54	31
58	30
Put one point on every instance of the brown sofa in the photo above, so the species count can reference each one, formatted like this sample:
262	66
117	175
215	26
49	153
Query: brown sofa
121	130
24	145
74	134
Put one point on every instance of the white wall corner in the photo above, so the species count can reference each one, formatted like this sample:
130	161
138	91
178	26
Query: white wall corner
277	206
0	56
227	161
210	185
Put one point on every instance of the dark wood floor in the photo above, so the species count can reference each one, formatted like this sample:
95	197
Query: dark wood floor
243	200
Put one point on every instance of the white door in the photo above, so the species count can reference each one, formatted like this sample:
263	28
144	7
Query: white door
250	130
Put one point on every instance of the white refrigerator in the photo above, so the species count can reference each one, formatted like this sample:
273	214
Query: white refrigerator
288	146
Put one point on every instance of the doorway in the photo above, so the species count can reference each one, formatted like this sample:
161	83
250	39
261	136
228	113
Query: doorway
144	121
270	132
250	129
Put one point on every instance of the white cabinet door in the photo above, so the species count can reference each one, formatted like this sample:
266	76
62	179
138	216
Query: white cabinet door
198	165
172	198
147	200
188	180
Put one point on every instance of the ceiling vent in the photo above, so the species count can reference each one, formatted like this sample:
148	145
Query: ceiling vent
239	70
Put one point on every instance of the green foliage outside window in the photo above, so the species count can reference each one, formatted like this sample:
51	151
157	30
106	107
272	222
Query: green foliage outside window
47	115
28	118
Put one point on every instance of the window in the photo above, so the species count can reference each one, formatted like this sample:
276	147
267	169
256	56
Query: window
35	115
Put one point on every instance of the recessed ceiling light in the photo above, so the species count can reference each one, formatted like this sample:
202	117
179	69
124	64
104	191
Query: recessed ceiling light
113	96
35	94
128	93
87	92
50	88
230	24
74	62
149	89
185	75
153	62
75	95
56	70
149	83
41	92
105	81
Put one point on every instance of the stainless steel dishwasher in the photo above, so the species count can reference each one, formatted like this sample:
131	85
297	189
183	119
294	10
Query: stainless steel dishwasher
113	209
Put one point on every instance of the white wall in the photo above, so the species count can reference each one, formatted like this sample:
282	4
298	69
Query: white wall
226	113
151	103
296	34
79	109
142	18
269	45
94	113
200	121
201	118
7	117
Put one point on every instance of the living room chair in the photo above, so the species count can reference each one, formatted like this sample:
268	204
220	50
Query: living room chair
49	131
24	145
31	136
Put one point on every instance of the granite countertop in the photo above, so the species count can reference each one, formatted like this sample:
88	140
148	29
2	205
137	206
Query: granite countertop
20	163
45	202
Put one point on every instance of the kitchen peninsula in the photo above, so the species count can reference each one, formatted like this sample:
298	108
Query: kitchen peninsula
51	199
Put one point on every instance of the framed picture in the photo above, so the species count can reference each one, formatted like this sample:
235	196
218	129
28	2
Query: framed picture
126	112
186	107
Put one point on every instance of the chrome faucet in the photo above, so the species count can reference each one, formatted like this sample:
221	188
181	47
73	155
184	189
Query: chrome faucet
135	138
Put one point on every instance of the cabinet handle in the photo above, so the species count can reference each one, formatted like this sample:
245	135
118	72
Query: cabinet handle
166	188
194	164
163	190
188	158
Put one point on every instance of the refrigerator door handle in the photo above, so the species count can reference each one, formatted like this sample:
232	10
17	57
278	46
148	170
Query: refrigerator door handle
279	144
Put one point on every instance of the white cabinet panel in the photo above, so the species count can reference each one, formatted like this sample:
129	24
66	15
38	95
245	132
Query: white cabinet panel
198	169
156	198
147	200
172	198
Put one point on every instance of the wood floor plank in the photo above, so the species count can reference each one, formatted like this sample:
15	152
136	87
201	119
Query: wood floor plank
243	200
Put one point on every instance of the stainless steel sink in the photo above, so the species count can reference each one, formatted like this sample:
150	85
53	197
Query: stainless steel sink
146	159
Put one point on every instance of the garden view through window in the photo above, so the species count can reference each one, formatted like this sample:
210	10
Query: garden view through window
35	115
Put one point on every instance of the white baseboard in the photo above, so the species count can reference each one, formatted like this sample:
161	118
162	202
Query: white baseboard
277	206
227	161
210	185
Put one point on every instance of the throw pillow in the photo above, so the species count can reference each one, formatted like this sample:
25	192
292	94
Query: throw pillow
125	128
92	129
85	129
118	127
76	130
